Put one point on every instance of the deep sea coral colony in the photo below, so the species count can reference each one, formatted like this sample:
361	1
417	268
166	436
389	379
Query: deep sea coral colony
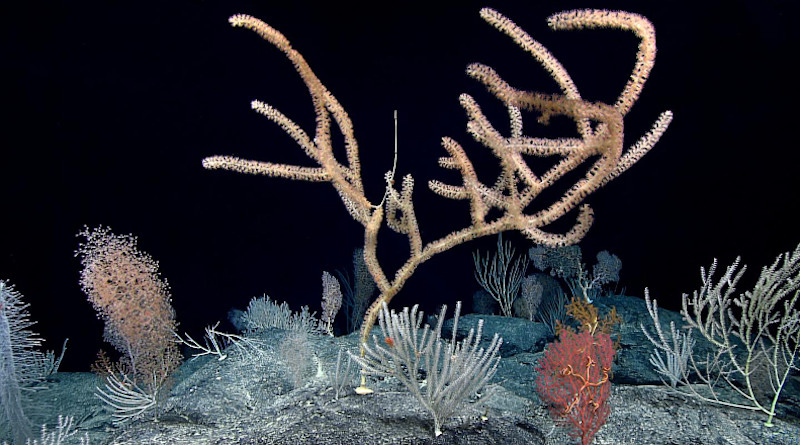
495	206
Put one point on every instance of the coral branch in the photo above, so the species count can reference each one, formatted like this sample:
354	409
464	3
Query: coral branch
600	136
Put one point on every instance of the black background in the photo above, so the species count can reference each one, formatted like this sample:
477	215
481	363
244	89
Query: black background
109	108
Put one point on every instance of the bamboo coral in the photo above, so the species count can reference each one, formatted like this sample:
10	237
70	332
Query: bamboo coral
600	128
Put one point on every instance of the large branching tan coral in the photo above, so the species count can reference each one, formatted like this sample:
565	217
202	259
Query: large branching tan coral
600	139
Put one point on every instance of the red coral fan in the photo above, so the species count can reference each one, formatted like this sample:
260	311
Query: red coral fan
574	380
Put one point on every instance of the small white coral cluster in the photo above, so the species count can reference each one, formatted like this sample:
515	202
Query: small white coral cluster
263	312
566	263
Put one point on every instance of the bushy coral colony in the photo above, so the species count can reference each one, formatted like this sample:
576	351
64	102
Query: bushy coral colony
600	127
